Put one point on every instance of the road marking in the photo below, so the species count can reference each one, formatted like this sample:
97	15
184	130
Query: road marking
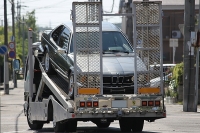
16	125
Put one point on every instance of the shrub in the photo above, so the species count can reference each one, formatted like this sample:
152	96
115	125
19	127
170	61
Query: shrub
178	74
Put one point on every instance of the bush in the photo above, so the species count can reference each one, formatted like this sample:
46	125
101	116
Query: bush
178	74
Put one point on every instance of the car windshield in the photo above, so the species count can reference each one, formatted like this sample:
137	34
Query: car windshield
113	41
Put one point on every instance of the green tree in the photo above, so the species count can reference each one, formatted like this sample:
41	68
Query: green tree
29	22
2	40
178	74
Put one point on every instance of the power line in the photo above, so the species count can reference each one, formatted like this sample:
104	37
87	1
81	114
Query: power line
50	6
24	22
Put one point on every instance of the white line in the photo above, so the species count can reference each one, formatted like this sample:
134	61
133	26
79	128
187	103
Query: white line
16	131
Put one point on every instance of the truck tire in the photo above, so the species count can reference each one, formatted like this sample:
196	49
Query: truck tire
71	85
71	126
124	125
137	125
103	125
47	64
33	125
58	127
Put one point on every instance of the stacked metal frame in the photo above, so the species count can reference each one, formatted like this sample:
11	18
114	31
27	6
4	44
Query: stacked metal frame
87	38
147	40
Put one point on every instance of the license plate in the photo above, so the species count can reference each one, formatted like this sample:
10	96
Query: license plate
119	103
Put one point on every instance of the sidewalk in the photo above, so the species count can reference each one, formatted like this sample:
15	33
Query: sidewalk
20	83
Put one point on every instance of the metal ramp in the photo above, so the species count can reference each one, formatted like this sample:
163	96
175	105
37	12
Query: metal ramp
57	85
60	83
147	31
87	40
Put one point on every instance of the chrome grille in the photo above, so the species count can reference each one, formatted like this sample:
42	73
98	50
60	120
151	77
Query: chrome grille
117	80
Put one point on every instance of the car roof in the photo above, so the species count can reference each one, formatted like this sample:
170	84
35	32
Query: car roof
106	26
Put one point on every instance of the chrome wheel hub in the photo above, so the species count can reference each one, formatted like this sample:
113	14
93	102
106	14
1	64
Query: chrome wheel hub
71	85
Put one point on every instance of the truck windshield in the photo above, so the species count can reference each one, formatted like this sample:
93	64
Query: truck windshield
113	41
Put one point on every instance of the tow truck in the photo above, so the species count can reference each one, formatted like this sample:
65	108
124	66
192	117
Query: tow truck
45	96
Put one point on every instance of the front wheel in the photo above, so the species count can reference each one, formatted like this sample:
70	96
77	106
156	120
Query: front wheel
34	125
71	86
47	64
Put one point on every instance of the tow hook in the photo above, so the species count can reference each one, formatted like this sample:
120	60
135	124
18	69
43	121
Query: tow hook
119	113
103	120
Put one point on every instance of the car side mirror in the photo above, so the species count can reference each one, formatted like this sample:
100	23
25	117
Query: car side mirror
16	65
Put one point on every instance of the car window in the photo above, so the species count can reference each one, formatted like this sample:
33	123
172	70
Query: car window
56	34
112	40
64	38
115	41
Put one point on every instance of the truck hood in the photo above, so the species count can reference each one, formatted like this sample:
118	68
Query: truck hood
111	64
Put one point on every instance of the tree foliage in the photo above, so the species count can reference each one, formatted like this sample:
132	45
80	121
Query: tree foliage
2	40
29	22
178	74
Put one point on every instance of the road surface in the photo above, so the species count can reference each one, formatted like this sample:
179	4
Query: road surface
14	121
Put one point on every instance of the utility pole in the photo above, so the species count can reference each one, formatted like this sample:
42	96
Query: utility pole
19	15
189	60
23	58
6	72
13	32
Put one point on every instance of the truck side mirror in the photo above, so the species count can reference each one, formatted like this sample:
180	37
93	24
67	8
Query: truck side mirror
16	64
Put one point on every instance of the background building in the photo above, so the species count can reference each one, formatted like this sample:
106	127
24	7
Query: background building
173	16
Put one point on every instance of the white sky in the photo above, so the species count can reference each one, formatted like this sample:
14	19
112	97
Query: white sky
51	12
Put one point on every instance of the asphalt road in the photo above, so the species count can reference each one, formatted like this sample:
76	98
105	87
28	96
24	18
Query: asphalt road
14	121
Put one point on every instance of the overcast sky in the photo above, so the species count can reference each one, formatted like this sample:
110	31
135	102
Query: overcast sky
51	12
